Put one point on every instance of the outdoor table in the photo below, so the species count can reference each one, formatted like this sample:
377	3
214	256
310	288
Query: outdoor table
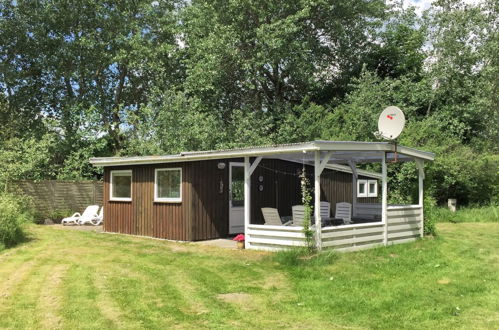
325	222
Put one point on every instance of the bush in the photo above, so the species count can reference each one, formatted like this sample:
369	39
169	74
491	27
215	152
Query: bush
429	227
13	215
57	215
465	214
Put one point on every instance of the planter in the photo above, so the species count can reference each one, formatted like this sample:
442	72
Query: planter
240	245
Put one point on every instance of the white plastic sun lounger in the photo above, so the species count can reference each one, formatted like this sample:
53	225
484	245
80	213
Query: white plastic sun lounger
87	218
99	218
90	211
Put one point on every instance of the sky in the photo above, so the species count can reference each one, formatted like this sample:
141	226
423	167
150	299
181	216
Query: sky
422	5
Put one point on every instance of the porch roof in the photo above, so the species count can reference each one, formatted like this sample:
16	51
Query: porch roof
343	153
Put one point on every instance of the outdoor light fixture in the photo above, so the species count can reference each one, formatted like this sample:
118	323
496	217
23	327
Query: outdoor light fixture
221	166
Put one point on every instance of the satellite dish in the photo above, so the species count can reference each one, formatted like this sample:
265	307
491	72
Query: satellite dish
391	123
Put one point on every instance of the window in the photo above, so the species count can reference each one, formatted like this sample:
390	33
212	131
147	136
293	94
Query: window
121	185
367	188
237	185
168	185
361	188
372	188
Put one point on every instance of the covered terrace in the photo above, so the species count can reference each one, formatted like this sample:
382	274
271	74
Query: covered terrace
396	224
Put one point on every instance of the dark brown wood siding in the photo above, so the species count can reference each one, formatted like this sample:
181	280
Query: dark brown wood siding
143	216
204	210
282	187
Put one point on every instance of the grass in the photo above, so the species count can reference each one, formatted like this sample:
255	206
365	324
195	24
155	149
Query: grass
465	214
73	279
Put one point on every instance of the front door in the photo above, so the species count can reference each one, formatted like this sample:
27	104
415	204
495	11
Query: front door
236	198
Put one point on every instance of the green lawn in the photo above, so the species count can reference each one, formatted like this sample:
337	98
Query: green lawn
71	279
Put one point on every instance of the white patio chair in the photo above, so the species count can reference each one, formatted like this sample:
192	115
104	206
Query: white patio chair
344	211
298	212
272	218
99	218
89	212
325	210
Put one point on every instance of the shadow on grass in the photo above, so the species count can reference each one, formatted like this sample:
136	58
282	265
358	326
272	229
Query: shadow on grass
21	239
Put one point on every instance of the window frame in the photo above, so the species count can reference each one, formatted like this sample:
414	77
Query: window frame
166	199
359	182
375	193
120	199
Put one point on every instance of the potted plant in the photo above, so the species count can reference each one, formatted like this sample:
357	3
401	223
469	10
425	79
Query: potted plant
240	241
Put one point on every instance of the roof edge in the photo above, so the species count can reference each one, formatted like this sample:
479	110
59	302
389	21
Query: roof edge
263	151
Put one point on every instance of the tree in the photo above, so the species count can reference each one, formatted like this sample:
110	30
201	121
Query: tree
265	56
462	67
85	63
400	49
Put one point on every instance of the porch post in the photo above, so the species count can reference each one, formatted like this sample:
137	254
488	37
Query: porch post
420	165
247	196
384	199
317	201
354	187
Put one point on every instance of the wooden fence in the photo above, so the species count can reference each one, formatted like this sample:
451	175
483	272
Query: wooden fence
53	196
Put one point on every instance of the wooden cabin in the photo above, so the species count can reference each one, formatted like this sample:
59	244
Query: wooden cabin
205	195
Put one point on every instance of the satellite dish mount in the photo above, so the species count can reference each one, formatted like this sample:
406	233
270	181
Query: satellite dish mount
391	123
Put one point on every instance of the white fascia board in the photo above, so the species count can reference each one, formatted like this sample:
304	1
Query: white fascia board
416	153
373	146
353	146
250	152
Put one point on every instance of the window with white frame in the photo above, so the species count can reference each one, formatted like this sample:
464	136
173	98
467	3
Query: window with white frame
168	185
372	188
367	188
361	188
121	185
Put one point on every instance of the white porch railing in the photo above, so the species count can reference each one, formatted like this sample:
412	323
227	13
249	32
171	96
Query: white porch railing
353	237
262	237
404	224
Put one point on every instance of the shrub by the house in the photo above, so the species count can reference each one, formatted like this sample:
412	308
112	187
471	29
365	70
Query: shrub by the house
14	213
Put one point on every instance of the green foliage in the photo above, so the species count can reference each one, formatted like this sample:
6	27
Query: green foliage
28	158
263	55
429	222
14	213
92	61
464	214
400	50
55	215
76	165
160	77
306	199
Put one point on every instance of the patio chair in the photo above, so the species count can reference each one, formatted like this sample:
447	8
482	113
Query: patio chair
298	212
272	218
344	211
325	210
90	211
99	218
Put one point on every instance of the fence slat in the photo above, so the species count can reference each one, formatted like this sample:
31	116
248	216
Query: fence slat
49	196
